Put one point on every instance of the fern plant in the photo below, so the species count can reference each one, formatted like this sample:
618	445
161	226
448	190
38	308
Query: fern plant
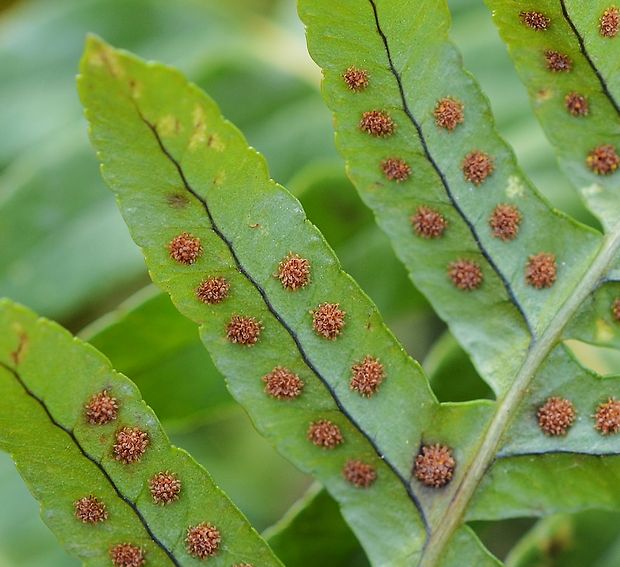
303	349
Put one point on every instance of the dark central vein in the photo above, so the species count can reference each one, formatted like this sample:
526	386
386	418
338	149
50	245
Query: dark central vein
92	459
442	177
281	320
584	51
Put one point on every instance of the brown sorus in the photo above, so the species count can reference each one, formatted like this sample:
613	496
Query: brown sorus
396	169
367	376
356	79
607	417
283	384
541	270
477	166
615	309
377	123
609	24
213	290
185	248
576	104
294	272
603	160
449	113
101	408
165	487
558	62
243	330
90	510
428	223
127	555
131	444
325	434
434	465
203	540
556	416
505	222
465	274
535	20
359	474
328	320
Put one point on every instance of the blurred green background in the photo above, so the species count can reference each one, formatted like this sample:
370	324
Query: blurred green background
65	251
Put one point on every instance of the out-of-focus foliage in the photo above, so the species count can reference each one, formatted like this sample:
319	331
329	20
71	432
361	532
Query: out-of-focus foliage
65	251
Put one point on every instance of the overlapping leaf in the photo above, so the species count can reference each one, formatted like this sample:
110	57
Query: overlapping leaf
510	323
579	103
178	168
66	454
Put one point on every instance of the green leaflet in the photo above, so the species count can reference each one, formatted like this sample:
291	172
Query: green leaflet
179	169
493	326
48	378
511	329
573	31
177	166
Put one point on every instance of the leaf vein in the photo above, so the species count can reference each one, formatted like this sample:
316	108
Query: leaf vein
586	54
88	456
282	321
470	225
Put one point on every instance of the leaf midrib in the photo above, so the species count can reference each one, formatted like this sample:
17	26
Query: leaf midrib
506	407
263	293
540	347
444	182
92	459
586	54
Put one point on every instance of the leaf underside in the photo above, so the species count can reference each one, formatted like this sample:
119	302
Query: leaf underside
47	379
178	168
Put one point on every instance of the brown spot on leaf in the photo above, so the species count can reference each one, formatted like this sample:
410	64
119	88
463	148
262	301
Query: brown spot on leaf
576	104
541	270
359	474
615	309
428	223
609	24
127	555
449	113
396	169
607	417
535	20
213	290
90	510
377	123
603	160
356	79
101	408
203	540
177	200
465	274
243	330
477	166
283	384
19	352
558	62
325	434
556	416
434	465
185	248
367	376
328	320
505	222
165	487
131	444
294	272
